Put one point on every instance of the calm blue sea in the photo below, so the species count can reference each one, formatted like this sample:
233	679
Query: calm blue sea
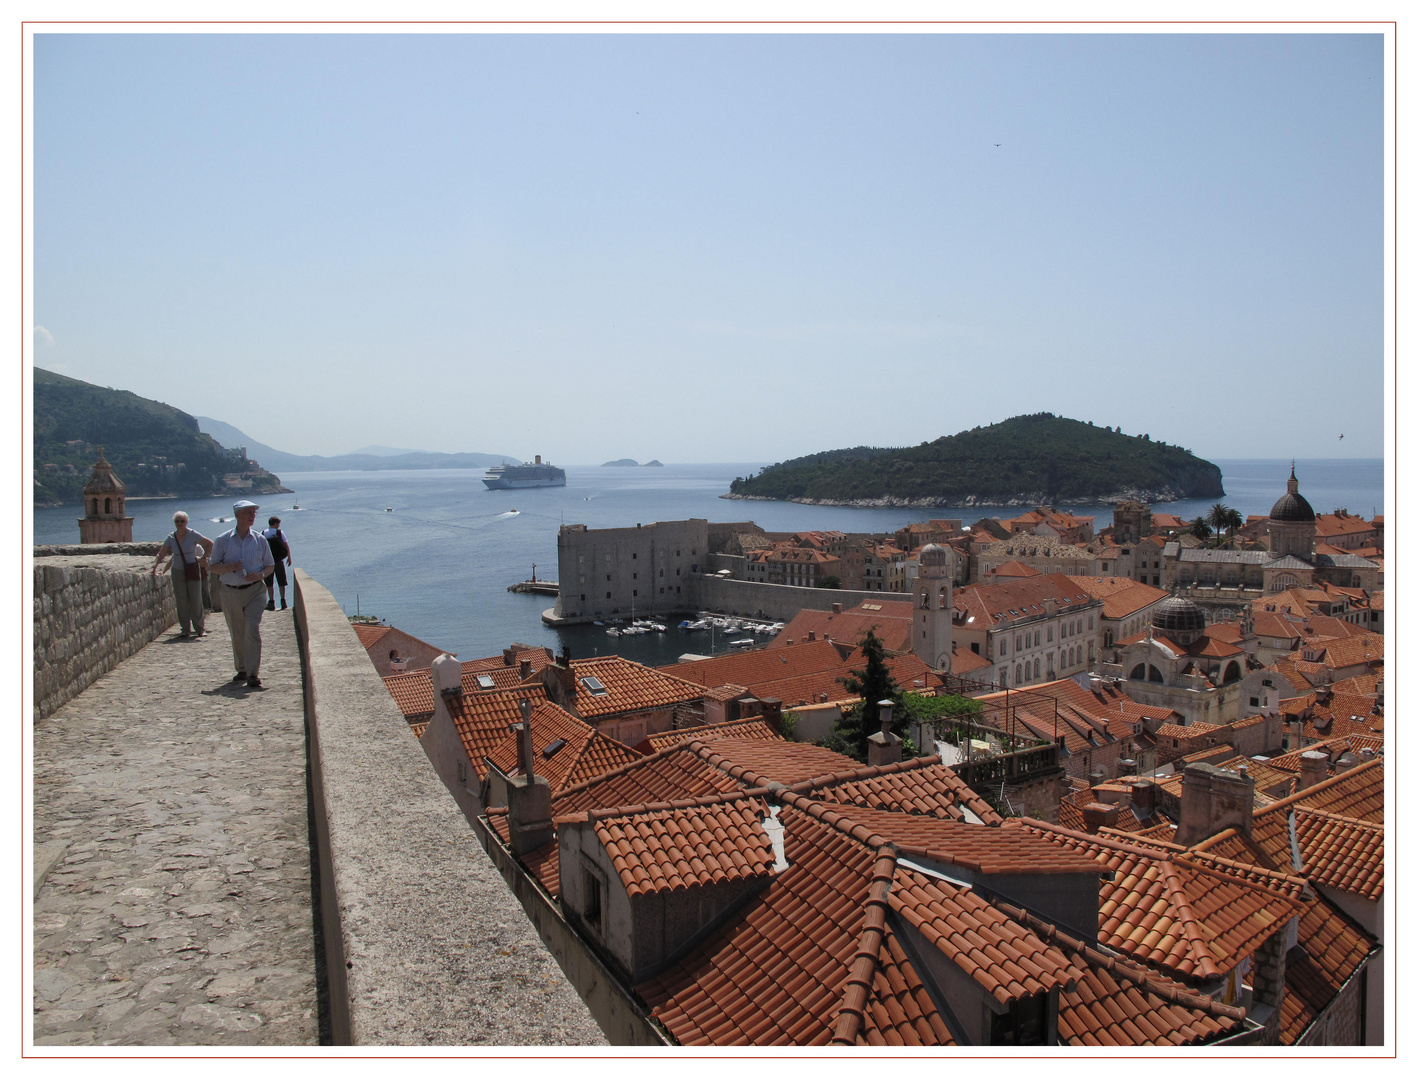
438	561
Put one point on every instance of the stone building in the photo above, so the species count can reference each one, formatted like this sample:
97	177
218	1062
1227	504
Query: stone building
104	521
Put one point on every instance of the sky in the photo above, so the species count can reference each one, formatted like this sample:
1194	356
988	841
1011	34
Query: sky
718	247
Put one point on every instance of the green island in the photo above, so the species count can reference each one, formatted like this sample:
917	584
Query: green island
155	449
1039	459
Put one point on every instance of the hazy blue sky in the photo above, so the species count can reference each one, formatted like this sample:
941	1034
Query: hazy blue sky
708	248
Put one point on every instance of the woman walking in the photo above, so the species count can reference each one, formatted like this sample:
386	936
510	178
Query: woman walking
182	547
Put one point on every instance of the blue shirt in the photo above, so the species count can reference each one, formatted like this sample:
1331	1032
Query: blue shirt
253	553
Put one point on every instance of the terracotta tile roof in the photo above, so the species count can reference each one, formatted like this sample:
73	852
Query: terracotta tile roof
369	635
1187	731
892	623
1334	749
1002	956
1114	1003
543	863
988	604
1192	918
583	753
758	762
677	773
1358	793
1121	596
630	687
918	786
759	669
482	719
1331	948
663	850
1071	813
418	729
753	728
727	692
539	656
1015	569
805	927
900	1011
412	691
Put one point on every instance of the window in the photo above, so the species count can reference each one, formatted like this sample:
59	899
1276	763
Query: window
593	684
634	592
583	596
634	555
1018	674
485	682
634	577
608	596
1255	702
591	898
1036	667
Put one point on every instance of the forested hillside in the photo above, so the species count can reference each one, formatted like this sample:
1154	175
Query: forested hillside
154	448
1025	460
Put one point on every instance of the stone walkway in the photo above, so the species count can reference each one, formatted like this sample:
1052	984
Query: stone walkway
171	805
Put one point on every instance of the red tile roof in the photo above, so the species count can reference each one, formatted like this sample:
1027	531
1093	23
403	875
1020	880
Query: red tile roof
987	604
630	687
482	719
1121	596
1192	918
412	691
657	851
917	786
368	634
752	728
892	623
584	753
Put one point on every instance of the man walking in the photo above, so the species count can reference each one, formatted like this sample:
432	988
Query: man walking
242	559
280	551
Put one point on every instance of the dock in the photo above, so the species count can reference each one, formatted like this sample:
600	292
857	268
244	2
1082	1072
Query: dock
542	588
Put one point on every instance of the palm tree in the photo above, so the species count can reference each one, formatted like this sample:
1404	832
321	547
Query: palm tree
1199	528
1224	517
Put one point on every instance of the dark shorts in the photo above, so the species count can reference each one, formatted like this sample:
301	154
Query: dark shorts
279	573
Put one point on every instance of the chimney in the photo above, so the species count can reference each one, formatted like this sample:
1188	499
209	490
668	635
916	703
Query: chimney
1212	800
1347	761
1143	798
1366	754
1097	815
749	708
812	635
524	669
509	657
884	747
789	641
447	675
528	795
773	712
1314	767
837	609
1096	776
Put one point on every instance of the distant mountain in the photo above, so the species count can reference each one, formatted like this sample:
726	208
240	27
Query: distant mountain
631	463
154	448
1031	460
371	459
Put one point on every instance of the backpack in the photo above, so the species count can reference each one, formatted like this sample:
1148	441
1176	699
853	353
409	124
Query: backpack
278	544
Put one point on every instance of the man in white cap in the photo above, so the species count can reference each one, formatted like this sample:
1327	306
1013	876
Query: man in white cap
242	559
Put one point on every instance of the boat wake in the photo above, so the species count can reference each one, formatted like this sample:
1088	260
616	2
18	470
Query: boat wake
509	513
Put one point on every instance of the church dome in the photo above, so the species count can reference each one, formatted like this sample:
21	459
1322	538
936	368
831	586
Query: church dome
1178	618
933	555
1292	506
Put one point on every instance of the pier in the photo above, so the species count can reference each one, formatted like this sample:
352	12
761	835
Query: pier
542	588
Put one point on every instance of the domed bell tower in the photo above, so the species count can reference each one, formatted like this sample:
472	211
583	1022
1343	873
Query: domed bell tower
1292	523
103	521
931	634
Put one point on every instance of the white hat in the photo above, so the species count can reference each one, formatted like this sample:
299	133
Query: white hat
243	504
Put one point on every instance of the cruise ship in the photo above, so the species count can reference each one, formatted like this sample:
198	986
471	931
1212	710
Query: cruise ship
530	474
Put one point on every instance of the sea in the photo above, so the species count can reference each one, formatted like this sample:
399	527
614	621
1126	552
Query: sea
433	551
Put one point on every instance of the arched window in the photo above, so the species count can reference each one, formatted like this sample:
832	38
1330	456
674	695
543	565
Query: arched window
1018	674
1036	667
1139	673
1233	672
1153	675
108	506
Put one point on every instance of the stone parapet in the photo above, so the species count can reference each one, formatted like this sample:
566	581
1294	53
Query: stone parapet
424	944
145	547
92	610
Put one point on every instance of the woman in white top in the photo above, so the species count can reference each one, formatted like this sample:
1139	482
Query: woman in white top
182	547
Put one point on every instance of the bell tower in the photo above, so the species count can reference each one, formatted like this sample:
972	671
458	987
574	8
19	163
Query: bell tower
103	521
934	608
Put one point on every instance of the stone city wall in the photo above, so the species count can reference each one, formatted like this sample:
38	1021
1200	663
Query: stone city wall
92	610
777	602
424	943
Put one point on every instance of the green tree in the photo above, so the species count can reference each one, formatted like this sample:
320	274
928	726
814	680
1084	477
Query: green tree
831	581
872	682
1223	518
1199	528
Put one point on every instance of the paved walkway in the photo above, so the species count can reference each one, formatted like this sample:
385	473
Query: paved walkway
172	806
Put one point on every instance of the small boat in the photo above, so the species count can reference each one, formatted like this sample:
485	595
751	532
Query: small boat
742	643
388	509
296	506
597	622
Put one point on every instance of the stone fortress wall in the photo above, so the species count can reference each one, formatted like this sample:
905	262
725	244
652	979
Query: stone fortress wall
95	605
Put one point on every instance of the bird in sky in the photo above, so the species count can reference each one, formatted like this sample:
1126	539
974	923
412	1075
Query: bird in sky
1341	436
